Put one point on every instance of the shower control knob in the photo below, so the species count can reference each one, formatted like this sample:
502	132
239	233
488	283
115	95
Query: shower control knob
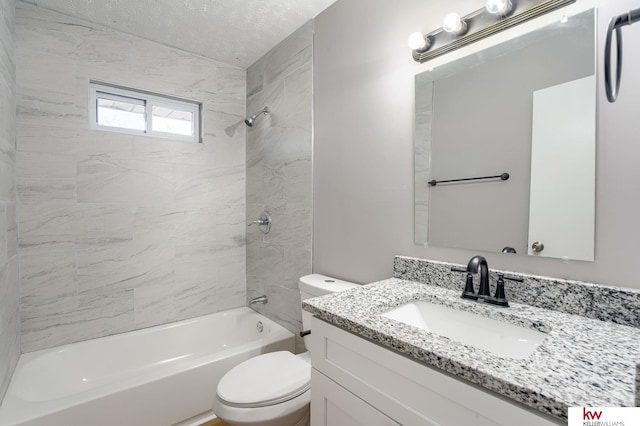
537	247
264	222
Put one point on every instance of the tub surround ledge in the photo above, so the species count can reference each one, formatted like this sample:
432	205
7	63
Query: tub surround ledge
582	361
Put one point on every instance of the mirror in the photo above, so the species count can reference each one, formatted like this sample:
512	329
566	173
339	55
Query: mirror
526	107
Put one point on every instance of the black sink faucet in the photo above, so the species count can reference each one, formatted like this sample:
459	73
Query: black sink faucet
483	294
472	268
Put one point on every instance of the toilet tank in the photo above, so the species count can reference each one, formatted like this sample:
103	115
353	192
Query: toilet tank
315	285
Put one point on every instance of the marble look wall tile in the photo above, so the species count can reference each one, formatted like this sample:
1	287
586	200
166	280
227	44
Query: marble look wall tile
66	226
43	227
265	184
42	190
265	264
157	225
122	267
226	148
12	229
7	175
255	77
285	305
9	264
254	210
271	96
198	225
231	225
45	165
48	275
4	258
49	109
297	264
49	140
38	30
50	322
231	86
130	182
279	150
199	263
58	78
230	297
287	145
103	146
291	54
160	219
97	224
202	185
298	87
170	152
292	225
9	320
178	301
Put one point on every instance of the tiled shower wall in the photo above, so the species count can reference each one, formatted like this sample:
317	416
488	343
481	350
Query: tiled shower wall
9	282
120	232
279	176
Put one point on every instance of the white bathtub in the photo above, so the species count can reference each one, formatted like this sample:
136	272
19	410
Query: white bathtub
151	377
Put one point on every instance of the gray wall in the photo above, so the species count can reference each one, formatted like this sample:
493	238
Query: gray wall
363	148
9	281
279	176
121	232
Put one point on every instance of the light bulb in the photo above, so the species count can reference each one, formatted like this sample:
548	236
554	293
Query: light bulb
454	24
499	7
417	41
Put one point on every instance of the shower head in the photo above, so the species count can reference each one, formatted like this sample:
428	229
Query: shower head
249	121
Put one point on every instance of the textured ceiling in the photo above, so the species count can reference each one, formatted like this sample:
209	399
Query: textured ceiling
236	32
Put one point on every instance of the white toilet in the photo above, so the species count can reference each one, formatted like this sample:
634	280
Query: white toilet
274	389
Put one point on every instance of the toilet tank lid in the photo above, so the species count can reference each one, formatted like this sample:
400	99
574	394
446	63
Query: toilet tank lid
319	285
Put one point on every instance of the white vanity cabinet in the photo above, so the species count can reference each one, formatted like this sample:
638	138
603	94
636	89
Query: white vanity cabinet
355	381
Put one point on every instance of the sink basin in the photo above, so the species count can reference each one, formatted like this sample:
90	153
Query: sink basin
500	338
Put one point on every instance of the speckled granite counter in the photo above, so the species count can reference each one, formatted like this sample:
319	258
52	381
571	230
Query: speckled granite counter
582	362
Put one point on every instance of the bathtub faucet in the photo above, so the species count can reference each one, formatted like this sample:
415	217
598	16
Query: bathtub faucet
259	299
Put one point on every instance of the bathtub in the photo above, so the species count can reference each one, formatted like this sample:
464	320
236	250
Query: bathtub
152	377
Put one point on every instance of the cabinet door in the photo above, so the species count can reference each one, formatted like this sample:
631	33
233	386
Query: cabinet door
332	405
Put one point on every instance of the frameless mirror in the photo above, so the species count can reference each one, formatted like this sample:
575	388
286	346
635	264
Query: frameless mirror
526	107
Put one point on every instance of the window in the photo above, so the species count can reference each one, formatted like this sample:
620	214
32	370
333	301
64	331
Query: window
117	109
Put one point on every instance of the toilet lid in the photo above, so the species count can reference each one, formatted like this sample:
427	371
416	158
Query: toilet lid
265	380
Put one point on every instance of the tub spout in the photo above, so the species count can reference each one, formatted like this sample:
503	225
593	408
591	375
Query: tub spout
259	299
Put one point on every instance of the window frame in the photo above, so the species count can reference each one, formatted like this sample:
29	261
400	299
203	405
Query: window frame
149	100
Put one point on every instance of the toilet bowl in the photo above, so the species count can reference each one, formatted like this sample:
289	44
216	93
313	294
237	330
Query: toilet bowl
273	389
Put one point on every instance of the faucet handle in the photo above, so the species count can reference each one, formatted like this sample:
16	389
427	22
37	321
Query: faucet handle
500	298
510	278
468	292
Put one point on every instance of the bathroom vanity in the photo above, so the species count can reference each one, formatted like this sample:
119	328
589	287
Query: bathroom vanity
374	364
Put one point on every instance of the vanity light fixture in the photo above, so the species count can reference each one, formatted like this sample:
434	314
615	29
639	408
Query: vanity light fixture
500	8
458	31
417	41
455	25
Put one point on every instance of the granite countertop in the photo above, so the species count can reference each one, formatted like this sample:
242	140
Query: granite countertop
582	362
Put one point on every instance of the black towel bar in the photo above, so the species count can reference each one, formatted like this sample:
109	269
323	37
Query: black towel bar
503	176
